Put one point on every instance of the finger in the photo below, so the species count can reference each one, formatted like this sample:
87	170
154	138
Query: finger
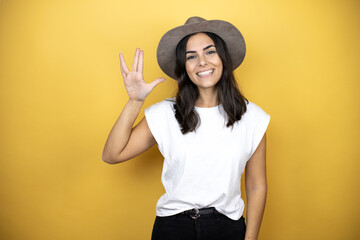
141	61
156	82
123	67
135	62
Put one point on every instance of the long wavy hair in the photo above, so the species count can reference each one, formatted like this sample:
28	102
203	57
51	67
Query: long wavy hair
229	95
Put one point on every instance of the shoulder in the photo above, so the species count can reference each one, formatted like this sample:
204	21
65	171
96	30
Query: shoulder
163	106
254	111
252	107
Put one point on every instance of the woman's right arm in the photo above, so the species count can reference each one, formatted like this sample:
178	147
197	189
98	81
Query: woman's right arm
125	142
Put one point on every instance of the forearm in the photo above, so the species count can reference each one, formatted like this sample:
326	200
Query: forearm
120	133
255	210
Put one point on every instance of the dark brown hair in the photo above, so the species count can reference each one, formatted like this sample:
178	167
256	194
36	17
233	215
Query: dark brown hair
229	94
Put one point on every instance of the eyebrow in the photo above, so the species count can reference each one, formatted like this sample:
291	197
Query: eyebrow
203	49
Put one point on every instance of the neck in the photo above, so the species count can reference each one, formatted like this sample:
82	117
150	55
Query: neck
207	98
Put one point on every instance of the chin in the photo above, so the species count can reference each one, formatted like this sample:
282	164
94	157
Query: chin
207	85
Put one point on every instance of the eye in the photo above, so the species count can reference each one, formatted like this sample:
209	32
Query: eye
211	52
190	57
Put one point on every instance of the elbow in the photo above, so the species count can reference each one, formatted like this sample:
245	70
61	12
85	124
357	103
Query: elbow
259	187
112	159
258	192
109	159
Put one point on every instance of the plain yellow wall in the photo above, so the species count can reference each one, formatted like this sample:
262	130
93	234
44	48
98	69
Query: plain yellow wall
61	91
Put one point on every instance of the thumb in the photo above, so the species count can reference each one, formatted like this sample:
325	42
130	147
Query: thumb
156	82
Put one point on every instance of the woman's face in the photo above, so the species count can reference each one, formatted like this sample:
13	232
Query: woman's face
203	65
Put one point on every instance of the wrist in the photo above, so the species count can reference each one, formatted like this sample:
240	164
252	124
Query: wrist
135	104
136	100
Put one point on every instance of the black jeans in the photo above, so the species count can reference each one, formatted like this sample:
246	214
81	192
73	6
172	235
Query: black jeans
214	226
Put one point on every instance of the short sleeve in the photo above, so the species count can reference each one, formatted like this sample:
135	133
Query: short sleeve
259	123
157	118
152	119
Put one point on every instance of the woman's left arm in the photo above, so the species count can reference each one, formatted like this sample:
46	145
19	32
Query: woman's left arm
256	188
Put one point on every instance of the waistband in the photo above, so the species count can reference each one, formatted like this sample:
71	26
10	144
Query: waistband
195	213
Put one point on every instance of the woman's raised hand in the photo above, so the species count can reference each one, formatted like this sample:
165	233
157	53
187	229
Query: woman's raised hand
135	85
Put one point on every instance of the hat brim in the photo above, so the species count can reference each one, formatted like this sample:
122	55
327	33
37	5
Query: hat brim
166	51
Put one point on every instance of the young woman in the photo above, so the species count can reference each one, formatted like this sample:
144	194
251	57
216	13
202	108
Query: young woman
208	134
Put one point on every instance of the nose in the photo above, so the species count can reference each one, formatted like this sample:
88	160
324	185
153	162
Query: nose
202	60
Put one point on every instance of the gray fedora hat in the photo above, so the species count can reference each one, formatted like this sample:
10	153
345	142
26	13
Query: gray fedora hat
166	51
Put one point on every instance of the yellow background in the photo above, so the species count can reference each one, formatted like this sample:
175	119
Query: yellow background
61	92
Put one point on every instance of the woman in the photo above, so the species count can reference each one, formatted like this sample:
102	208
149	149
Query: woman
208	134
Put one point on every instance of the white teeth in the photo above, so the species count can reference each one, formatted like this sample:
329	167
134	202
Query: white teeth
205	73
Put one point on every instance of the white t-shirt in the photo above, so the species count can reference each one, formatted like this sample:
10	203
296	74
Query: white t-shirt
203	168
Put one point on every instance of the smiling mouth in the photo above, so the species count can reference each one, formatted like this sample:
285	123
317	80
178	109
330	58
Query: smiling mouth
205	73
